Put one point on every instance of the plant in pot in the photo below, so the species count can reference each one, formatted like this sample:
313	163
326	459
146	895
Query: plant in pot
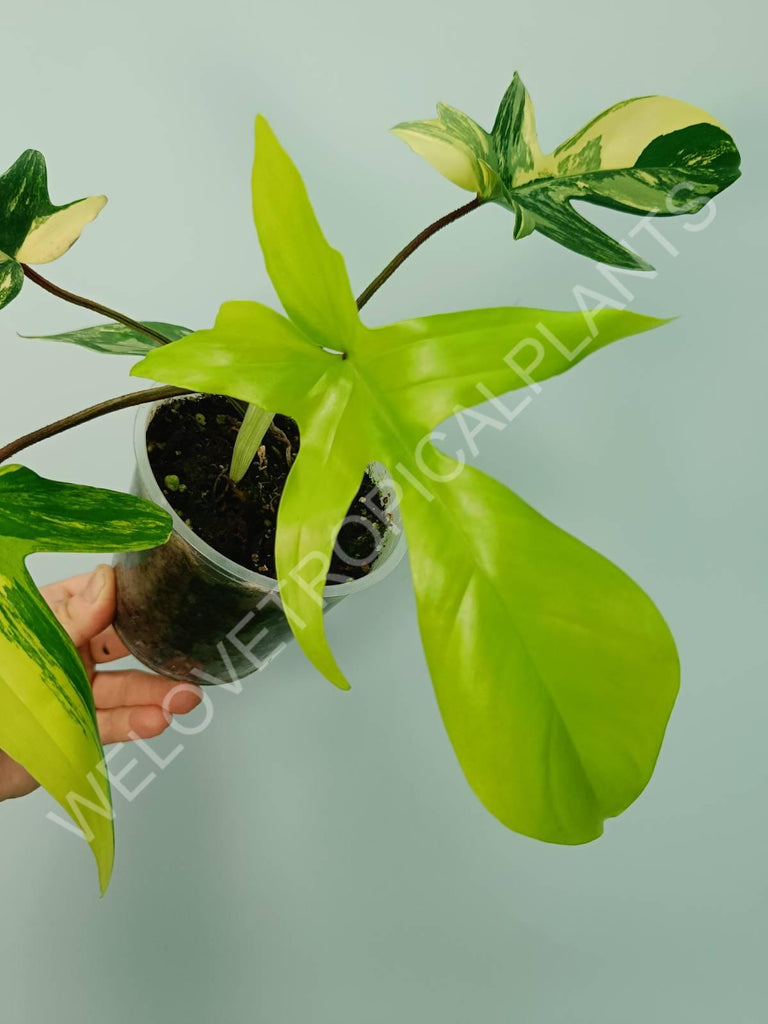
287	456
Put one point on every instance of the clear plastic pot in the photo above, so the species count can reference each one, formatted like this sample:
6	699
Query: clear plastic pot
186	611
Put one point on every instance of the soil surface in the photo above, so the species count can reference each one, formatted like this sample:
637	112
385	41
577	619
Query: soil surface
190	445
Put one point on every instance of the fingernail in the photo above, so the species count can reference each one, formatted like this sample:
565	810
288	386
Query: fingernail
96	585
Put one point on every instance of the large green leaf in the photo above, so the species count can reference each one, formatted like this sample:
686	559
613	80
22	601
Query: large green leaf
32	229
116	339
650	155
554	672
47	715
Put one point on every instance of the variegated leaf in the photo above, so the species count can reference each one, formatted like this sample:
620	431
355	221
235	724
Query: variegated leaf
554	672
47	714
457	146
32	229
116	339
651	155
11	279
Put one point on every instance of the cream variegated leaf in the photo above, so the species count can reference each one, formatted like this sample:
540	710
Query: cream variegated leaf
515	142
554	672
51	234
455	144
32	228
650	155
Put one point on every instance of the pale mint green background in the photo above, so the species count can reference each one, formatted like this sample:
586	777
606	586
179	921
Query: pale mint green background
313	857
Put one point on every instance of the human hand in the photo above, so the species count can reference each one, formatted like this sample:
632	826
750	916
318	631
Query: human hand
129	704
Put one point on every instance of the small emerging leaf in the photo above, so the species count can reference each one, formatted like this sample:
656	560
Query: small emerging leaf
47	714
457	146
116	339
249	437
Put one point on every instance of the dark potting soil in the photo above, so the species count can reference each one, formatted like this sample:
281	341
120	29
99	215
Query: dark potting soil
190	445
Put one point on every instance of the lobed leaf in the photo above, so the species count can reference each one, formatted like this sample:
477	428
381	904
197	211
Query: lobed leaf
554	672
650	155
32	229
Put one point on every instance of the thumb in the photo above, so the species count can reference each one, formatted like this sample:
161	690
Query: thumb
85	614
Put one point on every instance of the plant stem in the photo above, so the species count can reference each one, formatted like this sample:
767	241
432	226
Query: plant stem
413	245
160	393
79	300
91	413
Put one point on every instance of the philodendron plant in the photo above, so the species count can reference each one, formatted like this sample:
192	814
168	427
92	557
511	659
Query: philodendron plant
554	672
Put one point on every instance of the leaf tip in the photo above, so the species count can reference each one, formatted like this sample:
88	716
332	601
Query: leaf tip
263	128
327	665
105	875
662	321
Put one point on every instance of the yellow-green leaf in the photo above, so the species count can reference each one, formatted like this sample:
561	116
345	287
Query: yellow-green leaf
554	672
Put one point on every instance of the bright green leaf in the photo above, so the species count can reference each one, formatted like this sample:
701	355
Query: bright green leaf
651	155
116	339
47	715
554	672
307	273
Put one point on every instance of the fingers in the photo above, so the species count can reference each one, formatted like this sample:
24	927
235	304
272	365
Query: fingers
85	606
132	688
130	704
15	781
64	597
137	705
107	646
55	592
120	725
